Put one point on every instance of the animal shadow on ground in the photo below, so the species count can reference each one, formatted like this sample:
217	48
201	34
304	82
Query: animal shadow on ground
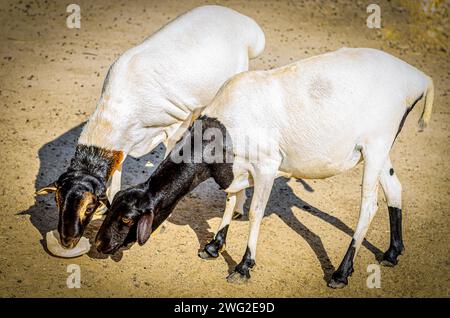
55	156
281	202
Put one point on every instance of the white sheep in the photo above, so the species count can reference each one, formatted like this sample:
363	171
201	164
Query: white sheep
154	91
317	118
151	94
314	118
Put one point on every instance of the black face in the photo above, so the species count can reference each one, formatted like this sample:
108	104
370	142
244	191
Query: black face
82	189
137	211
130	218
77	197
77	202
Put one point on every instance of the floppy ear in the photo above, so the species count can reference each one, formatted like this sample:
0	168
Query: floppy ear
52	187
144	228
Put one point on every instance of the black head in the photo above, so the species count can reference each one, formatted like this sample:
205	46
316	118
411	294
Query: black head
77	197
135	212
81	190
131	217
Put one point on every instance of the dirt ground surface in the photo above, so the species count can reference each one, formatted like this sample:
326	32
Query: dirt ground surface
51	77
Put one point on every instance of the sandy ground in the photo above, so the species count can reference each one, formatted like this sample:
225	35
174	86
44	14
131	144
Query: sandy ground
51	77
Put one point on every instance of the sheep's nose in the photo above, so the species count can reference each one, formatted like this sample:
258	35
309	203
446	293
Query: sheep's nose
104	248
68	242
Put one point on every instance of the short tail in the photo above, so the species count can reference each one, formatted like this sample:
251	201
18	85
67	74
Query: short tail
426	114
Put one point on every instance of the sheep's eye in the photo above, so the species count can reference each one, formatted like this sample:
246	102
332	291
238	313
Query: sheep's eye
127	221
90	208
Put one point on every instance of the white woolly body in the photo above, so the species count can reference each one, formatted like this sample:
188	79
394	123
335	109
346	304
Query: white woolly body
154	90
316	115
314	119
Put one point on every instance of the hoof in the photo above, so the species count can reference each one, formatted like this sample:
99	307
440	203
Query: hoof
237	215
339	280
237	278
205	255
390	258
387	263
211	250
336	284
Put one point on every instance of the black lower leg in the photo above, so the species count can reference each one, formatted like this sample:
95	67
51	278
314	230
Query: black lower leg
396	245
246	264
214	247
241	272
340	277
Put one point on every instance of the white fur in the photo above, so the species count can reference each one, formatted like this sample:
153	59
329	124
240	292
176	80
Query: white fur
316	118
155	90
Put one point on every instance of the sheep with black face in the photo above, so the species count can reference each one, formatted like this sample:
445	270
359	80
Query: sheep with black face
139	210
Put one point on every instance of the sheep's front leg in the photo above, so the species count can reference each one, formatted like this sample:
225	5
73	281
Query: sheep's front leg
217	245
114	187
262	187
374	162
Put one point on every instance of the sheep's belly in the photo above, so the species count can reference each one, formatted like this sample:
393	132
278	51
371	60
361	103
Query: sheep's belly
320	166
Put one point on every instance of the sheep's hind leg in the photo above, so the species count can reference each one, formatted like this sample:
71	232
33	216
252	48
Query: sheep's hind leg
393	192
374	159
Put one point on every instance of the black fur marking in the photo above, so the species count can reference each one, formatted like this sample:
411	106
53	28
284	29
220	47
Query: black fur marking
221	172
340	276
391	171
170	182
88	173
408	110
214	247
246	264
93	161
396	246
114	233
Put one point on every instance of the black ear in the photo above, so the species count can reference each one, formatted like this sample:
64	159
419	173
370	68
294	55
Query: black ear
52	187
144	228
